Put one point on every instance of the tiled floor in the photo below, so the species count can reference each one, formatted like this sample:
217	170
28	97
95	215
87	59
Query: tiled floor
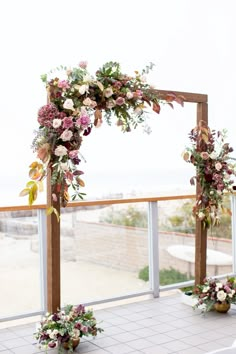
156	326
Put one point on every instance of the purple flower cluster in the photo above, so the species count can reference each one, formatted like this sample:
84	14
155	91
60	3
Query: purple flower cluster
65	325
214	291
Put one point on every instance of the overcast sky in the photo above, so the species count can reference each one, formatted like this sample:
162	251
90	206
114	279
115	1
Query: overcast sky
191	43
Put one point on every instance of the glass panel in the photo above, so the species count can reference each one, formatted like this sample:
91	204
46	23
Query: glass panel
220	260
19	263
103	250
177	241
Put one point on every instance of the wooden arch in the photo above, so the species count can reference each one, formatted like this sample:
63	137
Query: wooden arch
53	226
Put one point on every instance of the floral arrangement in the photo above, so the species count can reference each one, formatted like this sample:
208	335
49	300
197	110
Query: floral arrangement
210	154
214	291
78	102
67	325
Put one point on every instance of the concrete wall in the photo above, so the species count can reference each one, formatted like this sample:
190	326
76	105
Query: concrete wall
127	247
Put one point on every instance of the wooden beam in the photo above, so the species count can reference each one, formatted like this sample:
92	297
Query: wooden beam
201	233
188	96
53	252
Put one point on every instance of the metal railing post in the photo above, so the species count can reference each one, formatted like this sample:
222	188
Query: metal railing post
233	228
153	248
42	235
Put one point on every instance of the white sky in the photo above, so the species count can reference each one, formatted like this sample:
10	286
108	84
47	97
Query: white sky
191	43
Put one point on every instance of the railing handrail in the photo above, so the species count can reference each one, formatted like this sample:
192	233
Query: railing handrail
100	202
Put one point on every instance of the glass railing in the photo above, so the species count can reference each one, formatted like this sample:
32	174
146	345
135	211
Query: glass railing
110	250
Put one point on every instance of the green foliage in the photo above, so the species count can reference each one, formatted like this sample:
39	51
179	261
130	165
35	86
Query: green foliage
176	220
144	274
131	216
182	220
167	276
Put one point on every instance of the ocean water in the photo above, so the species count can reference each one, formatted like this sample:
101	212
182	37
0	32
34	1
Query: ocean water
136	182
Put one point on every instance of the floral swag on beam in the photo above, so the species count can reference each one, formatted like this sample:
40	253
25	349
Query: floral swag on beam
210	154
76	104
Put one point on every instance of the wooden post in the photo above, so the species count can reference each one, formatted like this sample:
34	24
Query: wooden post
53	252
201	233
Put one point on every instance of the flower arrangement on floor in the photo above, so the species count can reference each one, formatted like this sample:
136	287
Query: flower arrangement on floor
214	291
210	154
77	102
62	328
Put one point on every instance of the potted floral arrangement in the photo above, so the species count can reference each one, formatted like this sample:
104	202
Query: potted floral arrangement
64	328
215	294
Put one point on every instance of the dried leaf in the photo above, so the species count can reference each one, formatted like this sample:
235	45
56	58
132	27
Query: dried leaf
100	85
98	117
186	156
156	107
24	192
49	210
192	182
170	104
80	182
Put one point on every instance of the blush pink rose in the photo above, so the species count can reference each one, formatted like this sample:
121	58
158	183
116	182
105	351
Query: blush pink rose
67	122
120	101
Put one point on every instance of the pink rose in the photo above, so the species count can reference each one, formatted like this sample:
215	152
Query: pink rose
73	154
66	135
83	121
120	101
204	155
218	166
63	84
60	150
67	122
83	64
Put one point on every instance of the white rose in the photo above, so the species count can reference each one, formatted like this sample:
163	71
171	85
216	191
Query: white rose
227	176
87	101
66	135
60	150
83	89
129	95
56	123
221	295
205	289
108	92
69	104
233	292
213	155
219	285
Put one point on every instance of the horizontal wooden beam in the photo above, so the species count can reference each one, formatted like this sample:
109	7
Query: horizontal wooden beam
187	96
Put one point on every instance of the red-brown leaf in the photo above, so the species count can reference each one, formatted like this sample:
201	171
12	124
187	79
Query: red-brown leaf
156	107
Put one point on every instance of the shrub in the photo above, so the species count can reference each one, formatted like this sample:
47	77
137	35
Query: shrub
167	276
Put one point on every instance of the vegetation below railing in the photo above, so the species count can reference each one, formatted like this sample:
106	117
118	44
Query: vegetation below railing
166	276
